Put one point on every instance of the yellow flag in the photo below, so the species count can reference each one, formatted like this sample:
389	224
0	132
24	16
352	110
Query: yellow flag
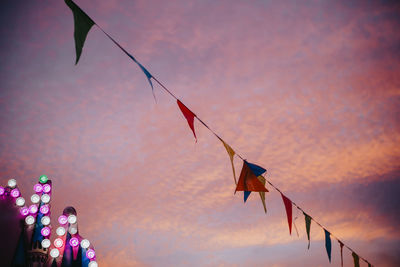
231	153
262	194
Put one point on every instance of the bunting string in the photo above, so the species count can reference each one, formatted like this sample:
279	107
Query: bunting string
251	179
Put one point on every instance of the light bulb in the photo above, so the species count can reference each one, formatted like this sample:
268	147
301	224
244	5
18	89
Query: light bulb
73	230
35	198
46	243
24	211
30	220
46	188
45	231
54	253
93	264
72	219
33	209
12	183
85	243
44	209
45	220
15	193
43	179
20	201
90	253
45	198
74	242
58	242
62	219
60	231
2	190
38	188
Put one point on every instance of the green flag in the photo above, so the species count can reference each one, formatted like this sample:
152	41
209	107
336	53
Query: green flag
356	260
82	26
308	226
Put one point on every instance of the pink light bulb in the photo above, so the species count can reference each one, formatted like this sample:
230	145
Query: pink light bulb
24	211
74	242
46	188
45	231
2	190
15	192
44	209
63	219
33	209
58	242
38	188
90	253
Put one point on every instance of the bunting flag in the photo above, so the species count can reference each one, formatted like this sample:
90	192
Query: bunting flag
262	194
288	207
189	115
308	226
341	251
231	153
356	259
248	181
328	244
82	25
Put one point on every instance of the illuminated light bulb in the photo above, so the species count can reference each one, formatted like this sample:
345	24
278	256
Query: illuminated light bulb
45	231
74	242
30	220
85	243
20	201
58	242
72	230
38	188
24	211
45	220
33	209
35	198
54	253
15	192
2	190
60	231
72	219
43	179
62	219
90	253
45	198
44	209
93	264
12	183
46	188
46	243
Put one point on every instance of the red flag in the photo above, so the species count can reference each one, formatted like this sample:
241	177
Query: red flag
189	115
288	207
248	181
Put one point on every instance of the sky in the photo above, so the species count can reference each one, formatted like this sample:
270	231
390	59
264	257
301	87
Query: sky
309	90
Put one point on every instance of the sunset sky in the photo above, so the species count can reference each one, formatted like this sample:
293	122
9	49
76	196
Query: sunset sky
309	90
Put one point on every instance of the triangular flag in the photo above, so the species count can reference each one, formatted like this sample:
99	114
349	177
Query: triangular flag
248	180
356	259
308	226
341	251
328	244
288	207
246	195
82	26
231	153
262	194
145	71
189	115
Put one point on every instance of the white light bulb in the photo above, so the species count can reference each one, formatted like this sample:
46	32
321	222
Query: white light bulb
45	198
45	220
85	243
72	230
46	243
54	253
30	220
12	183
35	198
72	219
20	201
93	264
60	231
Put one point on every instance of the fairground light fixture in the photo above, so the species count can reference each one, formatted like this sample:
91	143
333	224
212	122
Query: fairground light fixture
35	245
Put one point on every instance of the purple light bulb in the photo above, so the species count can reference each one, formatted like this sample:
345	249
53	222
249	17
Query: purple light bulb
44	209
15	192
46	188
45	231
63	219
1	190
38	188
90	253
74	242
24	211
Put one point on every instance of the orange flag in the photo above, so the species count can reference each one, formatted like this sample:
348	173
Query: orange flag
189	115
262	194
231	153
248	180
